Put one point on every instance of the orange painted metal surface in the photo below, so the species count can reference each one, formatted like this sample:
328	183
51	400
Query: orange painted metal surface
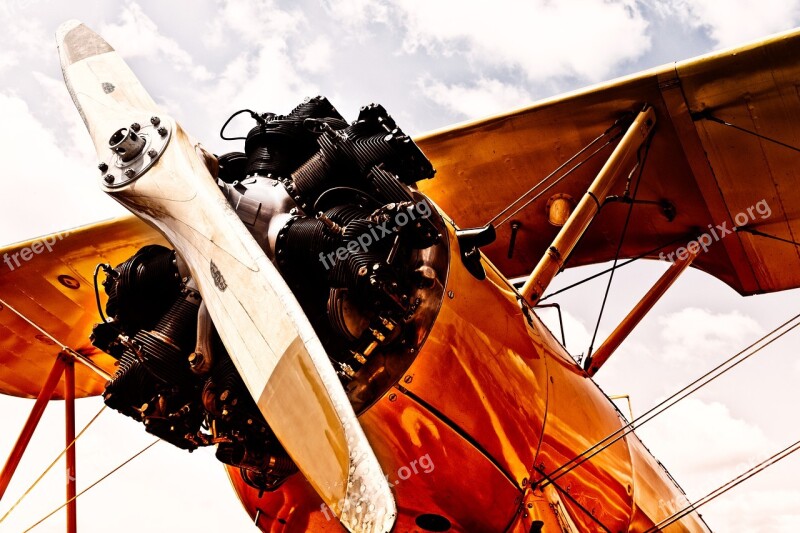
709	172
493	400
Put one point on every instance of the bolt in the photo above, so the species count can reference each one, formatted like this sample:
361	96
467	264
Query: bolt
130	173
135	126
152	153
108	178
103	167
224	395
155	121
162	131
426	277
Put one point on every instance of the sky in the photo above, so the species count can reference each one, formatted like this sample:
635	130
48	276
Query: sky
430	63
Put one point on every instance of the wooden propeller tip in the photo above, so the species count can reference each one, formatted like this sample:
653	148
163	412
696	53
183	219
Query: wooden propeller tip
76	41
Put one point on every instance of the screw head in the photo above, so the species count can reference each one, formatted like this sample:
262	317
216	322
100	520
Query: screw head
392	397
130	173
155	121
152	153
102	166
136	126
108	178
162	131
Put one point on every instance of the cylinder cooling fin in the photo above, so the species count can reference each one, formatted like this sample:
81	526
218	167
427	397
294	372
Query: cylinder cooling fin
333	205
365	254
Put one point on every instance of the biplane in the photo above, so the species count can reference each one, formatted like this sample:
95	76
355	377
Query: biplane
349	316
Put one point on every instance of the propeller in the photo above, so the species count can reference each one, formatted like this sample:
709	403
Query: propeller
155	170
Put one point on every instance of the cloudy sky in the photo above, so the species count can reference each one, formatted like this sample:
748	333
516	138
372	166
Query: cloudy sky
431	63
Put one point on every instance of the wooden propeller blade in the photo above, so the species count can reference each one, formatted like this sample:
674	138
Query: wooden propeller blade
269	338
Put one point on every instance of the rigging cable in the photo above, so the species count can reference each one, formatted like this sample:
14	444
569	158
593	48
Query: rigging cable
662	406
550	186
757	233
606	271
722	489
556	171
640	162
87	489
46	470
706	114
571	498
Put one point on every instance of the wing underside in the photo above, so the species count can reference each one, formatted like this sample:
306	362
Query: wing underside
711	173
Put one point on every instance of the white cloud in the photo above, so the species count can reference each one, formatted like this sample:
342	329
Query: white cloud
356	14
543	39
263	76
757	511
253	22
698	334
315	57
735	22
484	97
703	444
137	35
38	166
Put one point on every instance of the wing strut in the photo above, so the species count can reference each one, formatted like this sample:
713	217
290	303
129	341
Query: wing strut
621	332
63	365
566	240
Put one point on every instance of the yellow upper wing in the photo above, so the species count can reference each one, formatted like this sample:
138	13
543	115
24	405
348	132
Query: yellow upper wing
47	293
709	172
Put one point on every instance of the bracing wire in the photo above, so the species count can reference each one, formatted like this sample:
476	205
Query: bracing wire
546	178
708	116
641	160
607	270
722	489
87	489
616	134
673	399
550	186
51	465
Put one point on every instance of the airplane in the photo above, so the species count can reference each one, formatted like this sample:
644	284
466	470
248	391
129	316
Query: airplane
349	315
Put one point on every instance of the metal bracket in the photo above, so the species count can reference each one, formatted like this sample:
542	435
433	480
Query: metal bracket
133	151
